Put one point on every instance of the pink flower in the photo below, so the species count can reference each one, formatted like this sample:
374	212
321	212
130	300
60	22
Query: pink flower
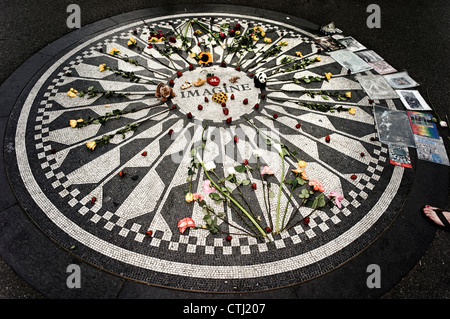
267	170
197	197
207	188
337	198
185	223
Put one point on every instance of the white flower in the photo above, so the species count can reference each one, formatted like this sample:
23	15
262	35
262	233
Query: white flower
210	166
256	153
278	147
443	123
231	170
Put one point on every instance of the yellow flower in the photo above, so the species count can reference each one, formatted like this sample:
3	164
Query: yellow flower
282	43
189	197
255	38
91	145
348	94
263	33
197	32
205	58
102	67
114	51
73	123
193	55
267	40
155	39
352	111
302	164
72	92
318	59
258	28
132	41
328	75
299	54
237	32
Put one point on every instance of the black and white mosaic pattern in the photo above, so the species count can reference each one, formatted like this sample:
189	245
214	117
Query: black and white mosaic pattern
58	176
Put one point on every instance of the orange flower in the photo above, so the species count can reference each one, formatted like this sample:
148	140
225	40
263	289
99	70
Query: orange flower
316	185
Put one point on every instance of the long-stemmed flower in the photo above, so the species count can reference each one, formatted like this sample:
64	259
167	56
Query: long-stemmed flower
279	148
210	166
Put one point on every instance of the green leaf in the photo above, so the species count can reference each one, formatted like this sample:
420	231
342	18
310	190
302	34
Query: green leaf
240	168
215	197
245	182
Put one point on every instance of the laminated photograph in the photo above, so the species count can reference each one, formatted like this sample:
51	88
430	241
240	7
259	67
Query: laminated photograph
369	56
431	149
382	67
413	100
328	43
351	44
399	155
393	127
400	80
350	61
422	124
376	87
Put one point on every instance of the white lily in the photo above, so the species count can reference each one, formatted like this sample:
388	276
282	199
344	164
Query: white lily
278	148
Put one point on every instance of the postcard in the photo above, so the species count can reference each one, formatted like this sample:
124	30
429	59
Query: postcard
431	149
369	56
399	155
422	124
376	87
382	67
351	44
413	100
350	60
393	127
328	43
400	80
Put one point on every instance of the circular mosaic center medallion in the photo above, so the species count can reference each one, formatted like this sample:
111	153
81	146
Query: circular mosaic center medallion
151	151
215	93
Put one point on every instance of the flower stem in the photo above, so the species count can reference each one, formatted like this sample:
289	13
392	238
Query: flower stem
279	195
263	233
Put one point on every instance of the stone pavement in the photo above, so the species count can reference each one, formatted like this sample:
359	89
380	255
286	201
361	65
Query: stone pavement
381	214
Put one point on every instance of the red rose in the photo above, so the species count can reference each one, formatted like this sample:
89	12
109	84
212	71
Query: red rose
180	74
144	153
228	120
245	101
306	221
189	115
229	237
268	230
256	106
206	99
200	107
236	139
327	139
245	162
297	125
254	186
225	111
170	132
275	116
353	176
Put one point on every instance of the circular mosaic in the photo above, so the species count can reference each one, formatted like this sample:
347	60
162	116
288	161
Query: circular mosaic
211	153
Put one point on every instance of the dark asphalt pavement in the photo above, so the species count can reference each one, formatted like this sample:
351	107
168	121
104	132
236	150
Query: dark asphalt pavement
413	36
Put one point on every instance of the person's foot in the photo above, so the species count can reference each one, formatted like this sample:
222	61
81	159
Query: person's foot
432	213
